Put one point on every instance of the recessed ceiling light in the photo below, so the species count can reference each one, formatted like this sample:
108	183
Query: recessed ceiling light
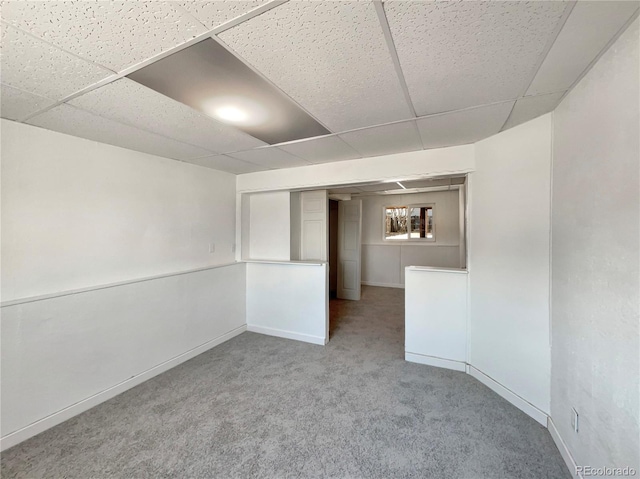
236	110
231	114
209	78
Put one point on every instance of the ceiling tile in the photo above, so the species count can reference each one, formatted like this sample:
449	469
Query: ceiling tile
17	104
344	191
321	150
214	13
331	57
457	54
586	32
384	140
116	34
228	164
426	183
129	102
380	187
463	127
36	67
76	122
530	107
271	157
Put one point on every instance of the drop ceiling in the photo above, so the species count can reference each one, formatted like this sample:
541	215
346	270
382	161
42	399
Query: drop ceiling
382	77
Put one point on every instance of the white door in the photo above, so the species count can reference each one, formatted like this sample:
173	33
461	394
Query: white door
349	231
314	217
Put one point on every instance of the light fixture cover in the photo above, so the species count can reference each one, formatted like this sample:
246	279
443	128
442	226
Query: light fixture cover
209	78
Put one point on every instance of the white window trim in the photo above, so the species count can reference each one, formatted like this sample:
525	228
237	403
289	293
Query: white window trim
408	240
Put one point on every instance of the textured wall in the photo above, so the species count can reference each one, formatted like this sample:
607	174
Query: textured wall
595	277
509	202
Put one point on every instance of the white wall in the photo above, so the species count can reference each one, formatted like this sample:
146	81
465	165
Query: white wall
415	164
288	300
595	274
384	262
77	213
63	355
270	226
509	260
436	317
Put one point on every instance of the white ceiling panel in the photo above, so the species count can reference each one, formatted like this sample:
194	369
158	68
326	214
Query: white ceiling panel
214	13
530	107
17	104
76	122
587	31
463	127
129	102
36	67
321	150
457	54
384	140
380	187
331	57
271	157
344	191
228	164
115	34
425	183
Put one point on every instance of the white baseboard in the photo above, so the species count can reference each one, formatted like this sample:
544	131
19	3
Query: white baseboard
281	333
564	450
433	361
383	285
54	419
519	402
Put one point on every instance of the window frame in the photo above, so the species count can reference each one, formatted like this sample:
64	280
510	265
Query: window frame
408	207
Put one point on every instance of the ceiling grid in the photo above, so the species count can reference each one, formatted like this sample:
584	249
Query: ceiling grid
383	77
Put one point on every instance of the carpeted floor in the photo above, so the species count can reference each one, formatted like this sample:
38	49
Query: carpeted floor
259	406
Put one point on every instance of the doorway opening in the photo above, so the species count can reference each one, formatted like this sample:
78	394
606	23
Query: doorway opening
333	249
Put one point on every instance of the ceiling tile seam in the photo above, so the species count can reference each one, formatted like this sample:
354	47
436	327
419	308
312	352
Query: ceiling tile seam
137	127
259	10
213	153
87	89
261	75
506	122
46	42
183	11
626	25
231	158
413	120
265	147
27	91
528	97
388	37
542	94
417	130
132	68
349	147
123	73
552	40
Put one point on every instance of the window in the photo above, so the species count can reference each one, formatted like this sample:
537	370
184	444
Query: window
411	222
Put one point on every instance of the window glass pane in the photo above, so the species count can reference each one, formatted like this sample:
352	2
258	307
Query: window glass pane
396	222
422	222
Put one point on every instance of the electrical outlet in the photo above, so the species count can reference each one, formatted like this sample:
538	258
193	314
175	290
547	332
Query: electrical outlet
233	248
212	247
574	419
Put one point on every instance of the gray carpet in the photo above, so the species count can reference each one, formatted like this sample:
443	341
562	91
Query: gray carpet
259	406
